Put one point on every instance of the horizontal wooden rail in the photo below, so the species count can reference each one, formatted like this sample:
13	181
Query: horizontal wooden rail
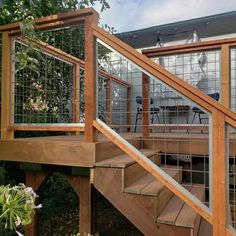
47	48
48	127
53	21
179	127
188	48
153	169
154	70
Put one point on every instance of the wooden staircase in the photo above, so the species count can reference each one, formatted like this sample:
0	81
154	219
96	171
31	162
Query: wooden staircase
145	202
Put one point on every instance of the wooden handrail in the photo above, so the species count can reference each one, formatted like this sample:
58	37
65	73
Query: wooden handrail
49	22
188	48
154	70
153	169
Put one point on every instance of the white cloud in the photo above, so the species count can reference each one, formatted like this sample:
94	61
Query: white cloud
126	15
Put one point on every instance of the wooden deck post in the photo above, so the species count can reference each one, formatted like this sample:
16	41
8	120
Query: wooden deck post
83	188
34	179
219	168
76	92
6	108
109	101
225	75
145	105
90	78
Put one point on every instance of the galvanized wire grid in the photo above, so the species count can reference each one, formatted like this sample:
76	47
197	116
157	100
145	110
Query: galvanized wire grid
178	148
43	93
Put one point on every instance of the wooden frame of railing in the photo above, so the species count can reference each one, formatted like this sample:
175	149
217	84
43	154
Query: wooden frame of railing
219	118
10	33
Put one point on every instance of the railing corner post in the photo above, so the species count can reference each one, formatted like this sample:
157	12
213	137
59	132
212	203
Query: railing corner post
219	168
90	78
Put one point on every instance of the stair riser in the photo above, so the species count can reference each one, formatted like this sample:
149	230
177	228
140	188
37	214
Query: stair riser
106	150
134	172
165	195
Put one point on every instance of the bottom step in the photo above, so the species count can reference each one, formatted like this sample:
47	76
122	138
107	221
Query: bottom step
178	218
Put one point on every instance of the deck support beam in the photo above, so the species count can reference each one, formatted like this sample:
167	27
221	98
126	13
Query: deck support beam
34	179
83	189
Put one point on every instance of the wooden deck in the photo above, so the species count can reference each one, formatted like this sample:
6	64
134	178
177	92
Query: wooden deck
73	151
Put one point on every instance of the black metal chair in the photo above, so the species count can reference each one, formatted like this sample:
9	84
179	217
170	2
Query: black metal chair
198	111
153	111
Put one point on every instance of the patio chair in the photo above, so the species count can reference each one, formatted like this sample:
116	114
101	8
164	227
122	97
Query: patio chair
153	111
201	113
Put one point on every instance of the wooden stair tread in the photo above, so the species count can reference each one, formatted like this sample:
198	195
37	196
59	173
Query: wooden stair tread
122	161
180	214
141	183
155	187
171	211
187	215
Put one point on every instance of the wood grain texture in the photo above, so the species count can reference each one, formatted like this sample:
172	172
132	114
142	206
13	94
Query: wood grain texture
145	105
219	170
6	103
225	75
69	153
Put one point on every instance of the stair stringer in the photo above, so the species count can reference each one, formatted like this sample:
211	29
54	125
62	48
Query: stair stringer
138	209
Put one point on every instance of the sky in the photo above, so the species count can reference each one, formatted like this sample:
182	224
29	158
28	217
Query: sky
127	15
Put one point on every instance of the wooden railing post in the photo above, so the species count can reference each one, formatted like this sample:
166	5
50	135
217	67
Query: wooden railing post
129	100
76	92
225	75
219	183
6	108
90	78
109	101
145	105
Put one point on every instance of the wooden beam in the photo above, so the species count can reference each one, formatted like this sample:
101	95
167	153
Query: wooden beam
78	127
53	21
77	94
90	79
188	48
219	170
6	106
145	105
179	127
109	101
129	101
225	75
34	180
83	189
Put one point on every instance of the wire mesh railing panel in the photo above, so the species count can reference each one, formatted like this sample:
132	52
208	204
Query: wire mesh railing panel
173	130
233	78
69	39
43	90
200	69
231	142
